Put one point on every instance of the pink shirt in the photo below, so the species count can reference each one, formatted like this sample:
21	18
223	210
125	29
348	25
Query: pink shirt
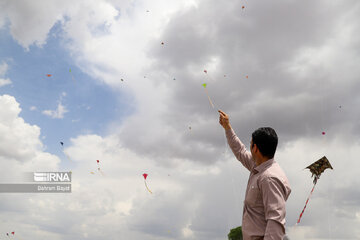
266	193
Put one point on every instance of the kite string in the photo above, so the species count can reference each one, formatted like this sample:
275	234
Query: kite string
207	93
312	190
209	98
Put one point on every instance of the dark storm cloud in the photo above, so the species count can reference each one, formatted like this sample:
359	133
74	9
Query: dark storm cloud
263	41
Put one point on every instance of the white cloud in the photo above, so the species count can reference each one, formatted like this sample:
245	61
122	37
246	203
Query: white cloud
33	108
3	69
4	82
58	113
27	24
21	148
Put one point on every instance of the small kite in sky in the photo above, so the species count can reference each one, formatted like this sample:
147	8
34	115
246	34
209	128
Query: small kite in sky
99	169
189	127
145	176
162	43
92	172
243	7
316	169
62	148
247	76
122	80
205	71
323	133
48	75
204	85
71	75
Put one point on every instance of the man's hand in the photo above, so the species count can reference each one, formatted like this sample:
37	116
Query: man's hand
224	120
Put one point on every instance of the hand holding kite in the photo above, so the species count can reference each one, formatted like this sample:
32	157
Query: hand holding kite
224	120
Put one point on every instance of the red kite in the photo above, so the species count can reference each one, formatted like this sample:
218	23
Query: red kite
145	176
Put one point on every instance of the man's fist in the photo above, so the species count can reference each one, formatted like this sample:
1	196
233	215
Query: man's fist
224	120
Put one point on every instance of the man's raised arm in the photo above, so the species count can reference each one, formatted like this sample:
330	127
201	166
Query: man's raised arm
237	147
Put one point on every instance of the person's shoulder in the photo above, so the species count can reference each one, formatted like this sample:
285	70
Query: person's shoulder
274	172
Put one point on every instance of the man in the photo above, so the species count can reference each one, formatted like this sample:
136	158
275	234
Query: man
268	187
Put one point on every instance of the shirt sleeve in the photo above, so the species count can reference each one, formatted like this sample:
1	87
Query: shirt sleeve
239	149
274	196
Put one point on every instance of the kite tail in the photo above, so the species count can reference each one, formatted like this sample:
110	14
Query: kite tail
101	172
147	187
312	190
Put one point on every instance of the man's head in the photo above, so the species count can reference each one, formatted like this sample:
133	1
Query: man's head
266	141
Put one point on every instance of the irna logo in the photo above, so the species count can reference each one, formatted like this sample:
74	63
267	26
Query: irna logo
52	176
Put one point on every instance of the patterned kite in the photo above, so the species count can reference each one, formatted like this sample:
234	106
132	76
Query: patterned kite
316	169
319	167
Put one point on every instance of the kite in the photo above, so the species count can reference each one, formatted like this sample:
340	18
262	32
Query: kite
98	163
145	176
190	128
204	85
71	75
48	75
62	148
205	71
162	43
13	233
247	76
122	80
92	172
319	167
174	79
243	7
323	133
316	169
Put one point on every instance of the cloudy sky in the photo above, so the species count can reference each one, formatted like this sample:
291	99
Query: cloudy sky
125	87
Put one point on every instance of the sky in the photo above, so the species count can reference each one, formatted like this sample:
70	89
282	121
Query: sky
125	88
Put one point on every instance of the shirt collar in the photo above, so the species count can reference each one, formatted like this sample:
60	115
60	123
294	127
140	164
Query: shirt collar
262	167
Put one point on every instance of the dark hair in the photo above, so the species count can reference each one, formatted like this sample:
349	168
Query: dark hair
266	140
